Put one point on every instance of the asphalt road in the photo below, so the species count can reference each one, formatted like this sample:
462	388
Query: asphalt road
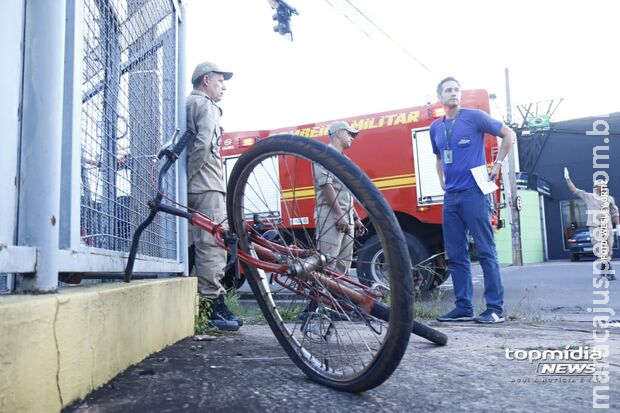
556	290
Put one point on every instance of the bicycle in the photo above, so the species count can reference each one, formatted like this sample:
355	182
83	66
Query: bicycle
338	331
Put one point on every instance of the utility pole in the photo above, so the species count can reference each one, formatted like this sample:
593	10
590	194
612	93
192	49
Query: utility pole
510	188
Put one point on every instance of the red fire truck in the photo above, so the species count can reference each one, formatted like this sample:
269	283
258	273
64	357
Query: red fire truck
393	148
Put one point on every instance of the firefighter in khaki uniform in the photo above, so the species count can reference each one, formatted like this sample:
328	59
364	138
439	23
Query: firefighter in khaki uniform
205	185
336	219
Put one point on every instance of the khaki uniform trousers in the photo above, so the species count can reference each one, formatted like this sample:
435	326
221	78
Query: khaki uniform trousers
210	258
335	245
610	242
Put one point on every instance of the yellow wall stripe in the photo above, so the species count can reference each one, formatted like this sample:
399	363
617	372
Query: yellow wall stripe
384	183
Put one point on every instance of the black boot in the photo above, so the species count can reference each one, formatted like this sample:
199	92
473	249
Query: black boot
307	312
219	319
220	304
611	277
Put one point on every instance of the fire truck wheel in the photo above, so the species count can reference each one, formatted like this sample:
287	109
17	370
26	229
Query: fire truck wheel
370	262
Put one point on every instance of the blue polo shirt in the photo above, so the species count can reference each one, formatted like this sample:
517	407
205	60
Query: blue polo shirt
466	143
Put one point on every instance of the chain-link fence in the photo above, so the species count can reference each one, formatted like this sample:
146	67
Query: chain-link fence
128	109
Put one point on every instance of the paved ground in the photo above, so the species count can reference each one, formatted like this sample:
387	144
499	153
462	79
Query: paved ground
248	371
555	290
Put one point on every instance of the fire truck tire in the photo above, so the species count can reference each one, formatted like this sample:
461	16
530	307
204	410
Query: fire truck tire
324	340
370	258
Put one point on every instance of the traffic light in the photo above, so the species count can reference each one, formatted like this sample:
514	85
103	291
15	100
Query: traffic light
283	17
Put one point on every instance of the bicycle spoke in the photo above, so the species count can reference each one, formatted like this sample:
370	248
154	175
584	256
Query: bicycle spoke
324	319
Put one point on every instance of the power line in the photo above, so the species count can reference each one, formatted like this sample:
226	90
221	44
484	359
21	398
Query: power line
348	18
390	38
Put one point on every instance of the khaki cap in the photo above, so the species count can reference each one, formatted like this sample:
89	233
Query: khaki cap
342	125
208	67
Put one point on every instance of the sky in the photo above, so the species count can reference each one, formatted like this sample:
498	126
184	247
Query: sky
356	57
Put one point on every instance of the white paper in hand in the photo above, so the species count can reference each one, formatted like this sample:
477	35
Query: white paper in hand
481	175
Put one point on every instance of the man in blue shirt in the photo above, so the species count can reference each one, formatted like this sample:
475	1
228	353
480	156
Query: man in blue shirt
458	144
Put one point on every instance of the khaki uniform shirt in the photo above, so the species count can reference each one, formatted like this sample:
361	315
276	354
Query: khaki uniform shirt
343	196
204	163
593	202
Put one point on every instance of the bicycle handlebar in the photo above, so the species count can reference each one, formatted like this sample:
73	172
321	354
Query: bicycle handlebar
180	145
171	156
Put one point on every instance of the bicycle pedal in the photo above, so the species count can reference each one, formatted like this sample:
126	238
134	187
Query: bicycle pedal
380	289
318	327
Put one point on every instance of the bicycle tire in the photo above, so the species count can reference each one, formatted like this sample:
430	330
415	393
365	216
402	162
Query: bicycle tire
383	342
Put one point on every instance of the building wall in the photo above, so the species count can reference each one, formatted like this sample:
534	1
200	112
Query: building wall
531	231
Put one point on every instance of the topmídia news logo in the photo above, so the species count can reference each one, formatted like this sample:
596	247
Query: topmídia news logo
568	361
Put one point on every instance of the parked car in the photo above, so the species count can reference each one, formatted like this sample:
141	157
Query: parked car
580	244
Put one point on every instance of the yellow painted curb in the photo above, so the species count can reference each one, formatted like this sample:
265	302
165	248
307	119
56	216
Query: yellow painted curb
57	348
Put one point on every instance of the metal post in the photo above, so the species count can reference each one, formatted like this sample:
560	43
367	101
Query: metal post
182	125
41	138
72	145
517	257
168	127
543	227
144	108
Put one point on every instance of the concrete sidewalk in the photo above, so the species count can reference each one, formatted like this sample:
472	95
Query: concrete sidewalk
248	372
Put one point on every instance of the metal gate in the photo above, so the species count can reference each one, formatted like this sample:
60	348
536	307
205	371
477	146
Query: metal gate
128	107
102	88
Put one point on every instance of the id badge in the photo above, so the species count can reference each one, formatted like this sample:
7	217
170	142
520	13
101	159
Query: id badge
447	156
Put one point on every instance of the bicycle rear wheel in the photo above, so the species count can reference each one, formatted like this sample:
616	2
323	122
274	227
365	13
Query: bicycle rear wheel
338	331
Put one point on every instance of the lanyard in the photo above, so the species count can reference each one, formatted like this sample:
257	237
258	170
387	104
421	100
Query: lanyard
448	132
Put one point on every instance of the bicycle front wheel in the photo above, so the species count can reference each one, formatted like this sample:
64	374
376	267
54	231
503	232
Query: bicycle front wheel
340	332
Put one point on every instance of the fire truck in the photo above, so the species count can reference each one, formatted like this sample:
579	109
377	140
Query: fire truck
394	149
